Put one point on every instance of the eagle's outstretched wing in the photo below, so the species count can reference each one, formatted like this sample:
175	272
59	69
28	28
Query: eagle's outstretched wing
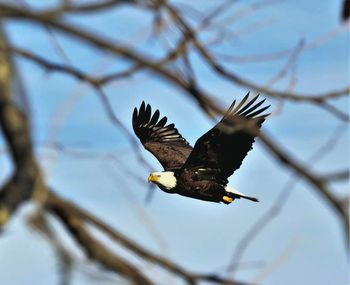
163	141
220	151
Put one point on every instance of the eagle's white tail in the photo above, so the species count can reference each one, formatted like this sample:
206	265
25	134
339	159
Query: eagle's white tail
237	194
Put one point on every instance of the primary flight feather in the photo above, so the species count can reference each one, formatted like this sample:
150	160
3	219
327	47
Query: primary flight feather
201	172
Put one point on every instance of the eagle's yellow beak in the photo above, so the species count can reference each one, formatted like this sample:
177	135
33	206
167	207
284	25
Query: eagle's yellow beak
153	178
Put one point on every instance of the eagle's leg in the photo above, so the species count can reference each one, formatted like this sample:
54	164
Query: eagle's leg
227	199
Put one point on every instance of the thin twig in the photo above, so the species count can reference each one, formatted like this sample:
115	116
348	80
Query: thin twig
280	201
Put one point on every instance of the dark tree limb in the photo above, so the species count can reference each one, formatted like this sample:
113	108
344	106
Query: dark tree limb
95	249
55	202
132	55
15	127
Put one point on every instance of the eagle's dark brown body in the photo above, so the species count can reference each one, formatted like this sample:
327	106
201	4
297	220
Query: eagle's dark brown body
201	172
189	185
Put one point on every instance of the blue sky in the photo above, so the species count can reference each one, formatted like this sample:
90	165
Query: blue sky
201	236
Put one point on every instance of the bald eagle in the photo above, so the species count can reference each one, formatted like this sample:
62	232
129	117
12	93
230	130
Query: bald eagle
200	172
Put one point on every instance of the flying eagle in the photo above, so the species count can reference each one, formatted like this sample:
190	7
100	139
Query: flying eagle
200	172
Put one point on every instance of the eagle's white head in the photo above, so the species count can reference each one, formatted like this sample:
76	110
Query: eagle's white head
165	179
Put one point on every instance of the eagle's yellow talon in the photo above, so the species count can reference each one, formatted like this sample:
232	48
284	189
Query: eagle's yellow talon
227	199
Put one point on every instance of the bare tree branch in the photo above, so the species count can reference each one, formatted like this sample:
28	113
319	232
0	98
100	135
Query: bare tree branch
128	53
280	201
183	38
38	222
96	250
15	127
337	176
56	203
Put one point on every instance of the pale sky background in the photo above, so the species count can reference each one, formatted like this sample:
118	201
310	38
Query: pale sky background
201	236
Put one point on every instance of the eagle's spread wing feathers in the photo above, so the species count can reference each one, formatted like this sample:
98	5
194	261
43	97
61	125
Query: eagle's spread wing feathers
163	141
221	150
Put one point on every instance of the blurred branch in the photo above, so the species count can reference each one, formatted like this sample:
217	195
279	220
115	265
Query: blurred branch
51	35
130	54
288	66
222	37
27	179
281	200
95	82
38	222
57	205
248	10
209	18
240	81
204	101
278	262
188	32
95	249
201	97
256	58
74	72
275	149
337	176
15	127
315	180
91	7
110	172
335	111
303	171
114	119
